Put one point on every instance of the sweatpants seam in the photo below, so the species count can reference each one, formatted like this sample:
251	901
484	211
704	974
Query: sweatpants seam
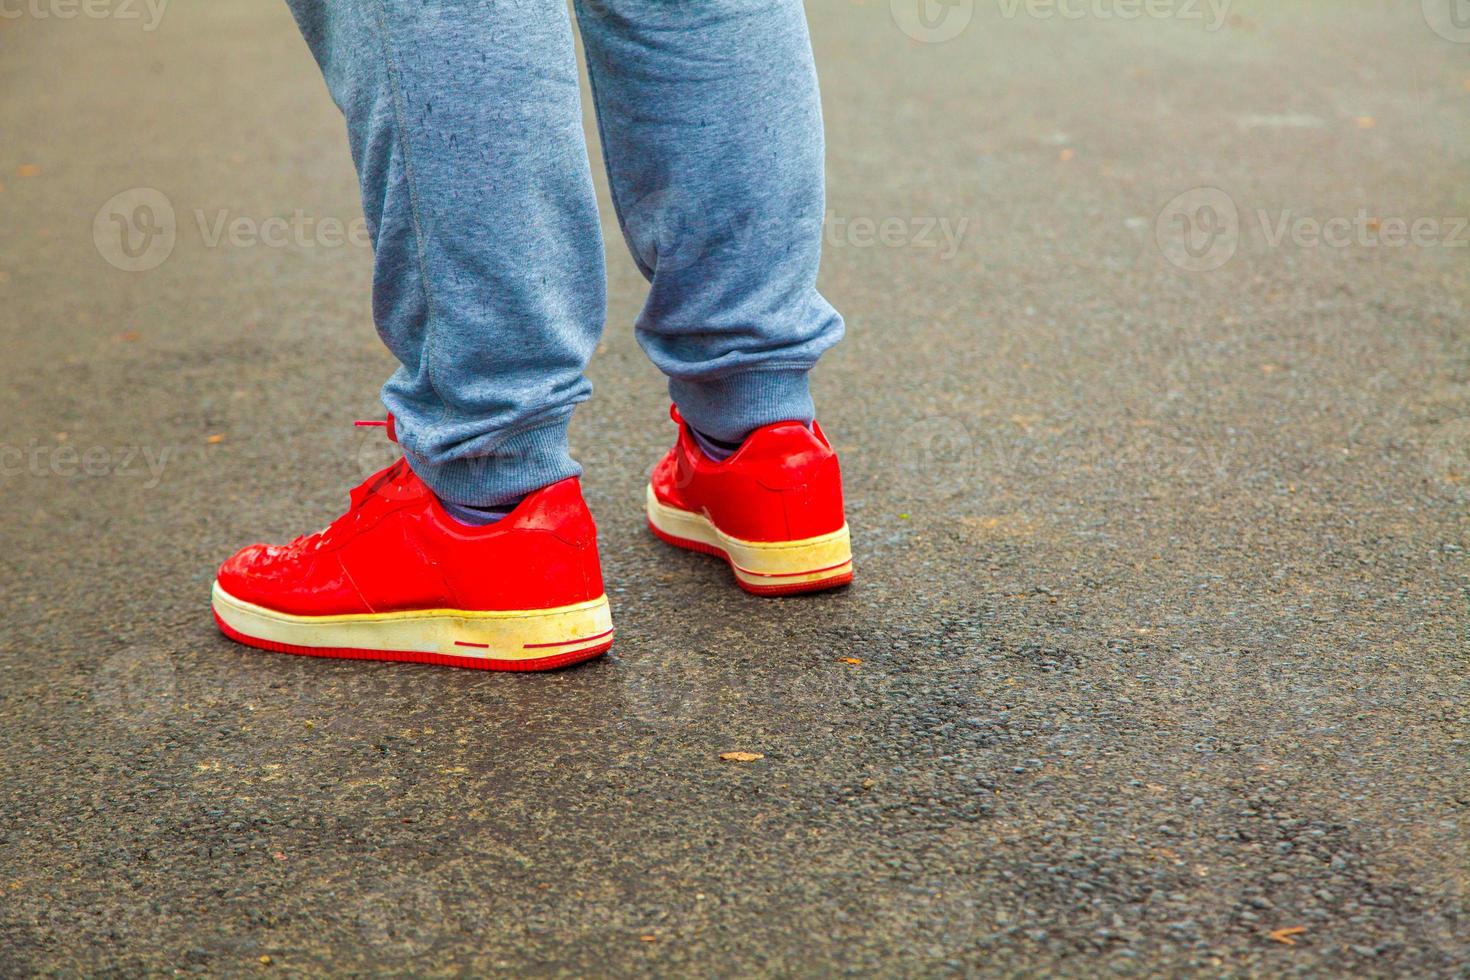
399	115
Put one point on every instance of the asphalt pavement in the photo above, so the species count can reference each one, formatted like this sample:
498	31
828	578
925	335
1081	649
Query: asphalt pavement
1154	412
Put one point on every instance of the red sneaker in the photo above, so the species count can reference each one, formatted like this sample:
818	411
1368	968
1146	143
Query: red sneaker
773	510
397	578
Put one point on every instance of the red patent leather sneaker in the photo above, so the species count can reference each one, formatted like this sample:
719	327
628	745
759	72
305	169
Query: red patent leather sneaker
773	510
397	578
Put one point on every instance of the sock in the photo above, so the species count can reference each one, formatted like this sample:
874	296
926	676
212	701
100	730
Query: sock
480	516
716	449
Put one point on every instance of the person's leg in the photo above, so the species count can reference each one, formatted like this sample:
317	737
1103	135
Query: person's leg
712	130
466	130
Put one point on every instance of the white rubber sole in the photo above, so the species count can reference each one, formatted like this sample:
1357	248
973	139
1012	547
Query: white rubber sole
762	567
528	639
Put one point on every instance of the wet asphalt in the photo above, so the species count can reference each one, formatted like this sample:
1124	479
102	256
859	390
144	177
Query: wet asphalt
1155	417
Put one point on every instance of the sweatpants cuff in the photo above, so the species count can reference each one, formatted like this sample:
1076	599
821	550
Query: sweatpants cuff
522	463
729	408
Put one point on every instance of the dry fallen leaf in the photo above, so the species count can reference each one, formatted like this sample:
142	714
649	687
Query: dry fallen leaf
1284	935
741	756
